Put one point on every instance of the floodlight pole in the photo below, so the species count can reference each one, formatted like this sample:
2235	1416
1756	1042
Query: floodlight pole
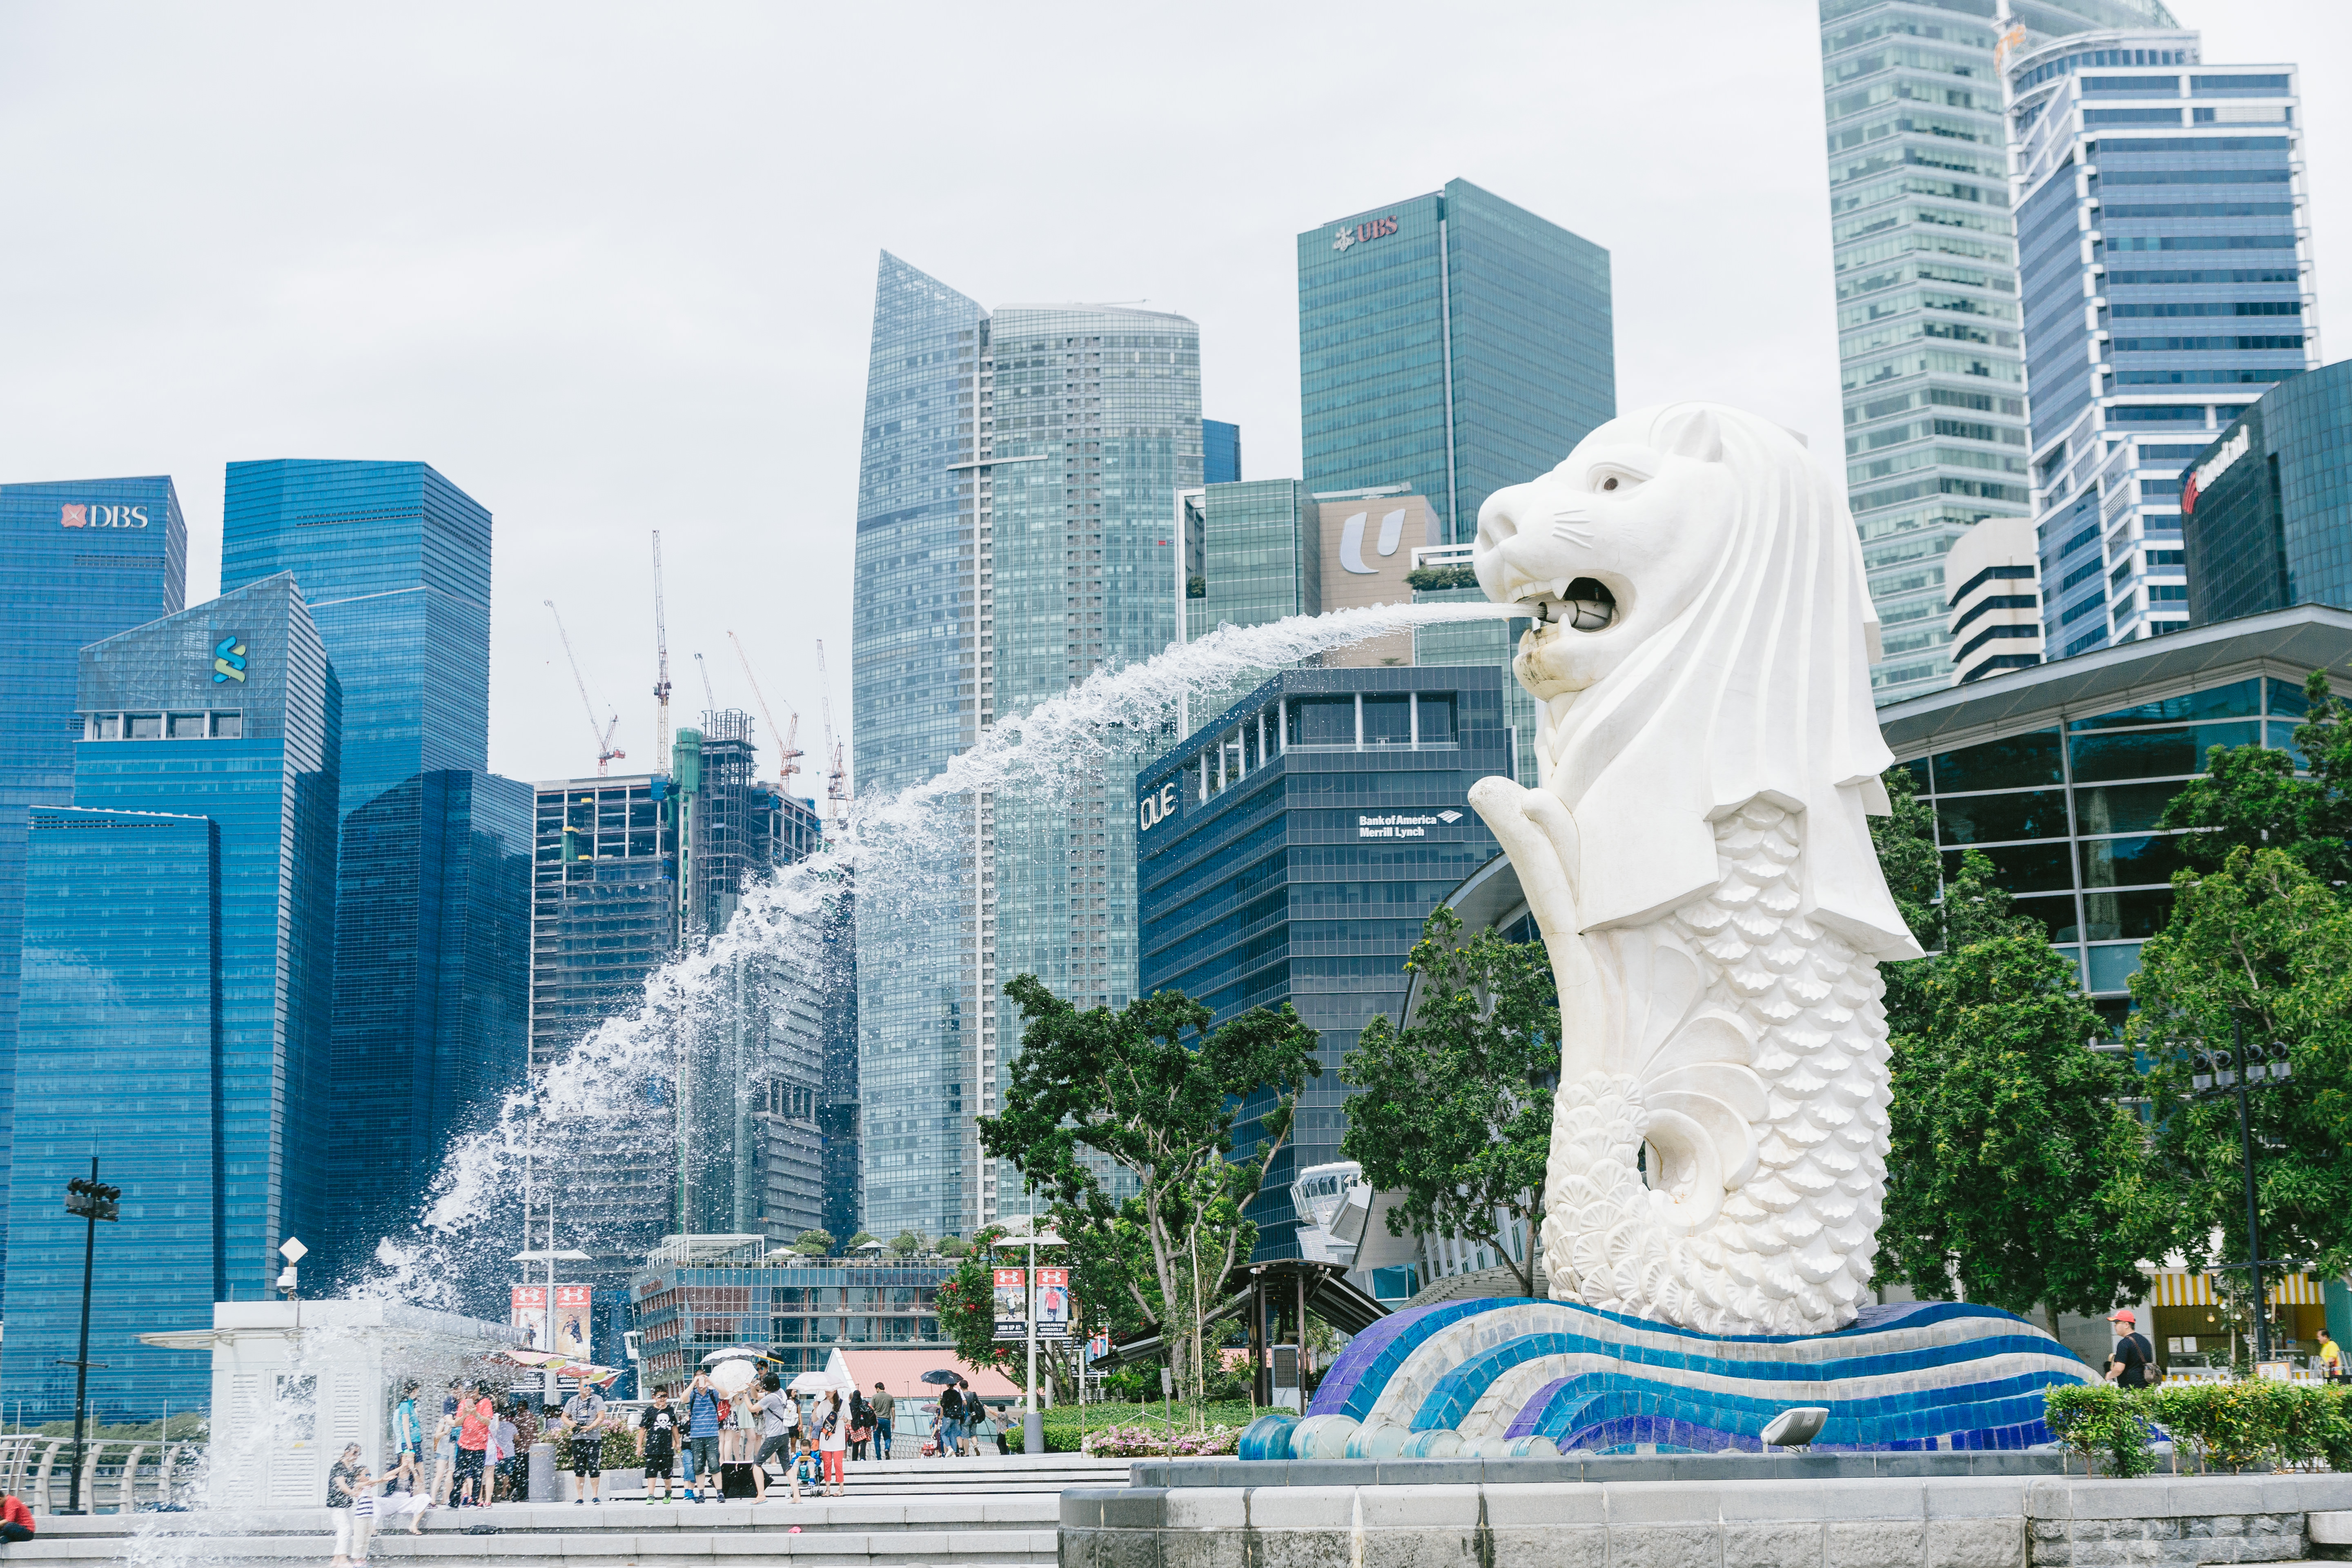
1033	1424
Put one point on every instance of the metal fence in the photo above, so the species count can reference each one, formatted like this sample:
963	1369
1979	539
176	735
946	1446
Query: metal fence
117	1477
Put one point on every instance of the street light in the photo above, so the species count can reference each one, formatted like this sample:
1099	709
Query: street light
2269	1068
93	1200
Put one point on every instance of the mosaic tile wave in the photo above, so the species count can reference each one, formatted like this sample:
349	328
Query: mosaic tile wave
1914	1375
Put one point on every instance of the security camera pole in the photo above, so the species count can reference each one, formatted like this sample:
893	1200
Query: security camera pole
94	1201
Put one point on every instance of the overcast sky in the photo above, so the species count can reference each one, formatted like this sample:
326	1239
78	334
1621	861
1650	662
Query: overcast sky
610	268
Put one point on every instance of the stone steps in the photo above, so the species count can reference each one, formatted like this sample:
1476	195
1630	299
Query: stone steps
1010	1530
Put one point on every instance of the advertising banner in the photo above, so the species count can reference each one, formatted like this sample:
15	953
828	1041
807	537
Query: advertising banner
1052	1303
573	1323
570	1332
527	1315
1012	1310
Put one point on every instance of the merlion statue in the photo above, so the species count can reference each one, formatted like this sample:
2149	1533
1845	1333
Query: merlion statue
1697	859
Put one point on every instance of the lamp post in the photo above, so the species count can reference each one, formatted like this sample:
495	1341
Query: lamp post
94	1202
2206	1072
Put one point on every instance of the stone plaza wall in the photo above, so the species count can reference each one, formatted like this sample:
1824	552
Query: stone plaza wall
1926	1521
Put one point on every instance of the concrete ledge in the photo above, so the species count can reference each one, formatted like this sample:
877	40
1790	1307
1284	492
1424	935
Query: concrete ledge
1953	1521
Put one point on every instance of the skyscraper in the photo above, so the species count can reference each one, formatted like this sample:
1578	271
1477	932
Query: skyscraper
2266	517
1221	452
431	1004
2166	273
80	560
1016	490
1450	342
1930	362
229	710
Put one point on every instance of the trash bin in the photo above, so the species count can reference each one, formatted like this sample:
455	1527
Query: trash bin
542	1473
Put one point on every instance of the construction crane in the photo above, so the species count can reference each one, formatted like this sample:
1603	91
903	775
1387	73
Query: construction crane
661	651
709	698
837	781
788	762
605	750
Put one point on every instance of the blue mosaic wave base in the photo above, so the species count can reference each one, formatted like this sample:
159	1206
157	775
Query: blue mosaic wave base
1910	1376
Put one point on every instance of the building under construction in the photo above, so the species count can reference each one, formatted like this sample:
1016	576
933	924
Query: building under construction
724	1131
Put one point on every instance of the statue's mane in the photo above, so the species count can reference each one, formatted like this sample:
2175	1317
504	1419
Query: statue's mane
1760	687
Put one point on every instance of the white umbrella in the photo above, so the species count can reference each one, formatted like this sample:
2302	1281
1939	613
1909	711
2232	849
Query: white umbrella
731	1377
814	1383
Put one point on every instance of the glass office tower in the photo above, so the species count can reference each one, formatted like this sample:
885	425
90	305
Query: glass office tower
1450	342
1221	452
2266	516
122	988
1295	844
230	710
433	905
1925	251
2168	285
1016	490
80	560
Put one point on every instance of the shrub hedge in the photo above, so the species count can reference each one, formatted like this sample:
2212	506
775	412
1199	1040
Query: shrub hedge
2250	1423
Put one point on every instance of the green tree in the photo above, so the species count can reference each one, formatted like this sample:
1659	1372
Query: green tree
910	1243
813	1244
2251	798
2264	940
2016	1173
951	1247
1149	1089
968	1309
1454	1114
1906	841
863	1239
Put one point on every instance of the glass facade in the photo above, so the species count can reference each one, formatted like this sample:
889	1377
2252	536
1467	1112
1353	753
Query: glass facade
1221	452
80	560
230	710
1295	847
122	988
1925	253
1451	342
2064	775
2166	286
433	896
798	1307
1018	480
2266	509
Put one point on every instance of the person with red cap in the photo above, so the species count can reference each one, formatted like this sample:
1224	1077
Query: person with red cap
2133	1355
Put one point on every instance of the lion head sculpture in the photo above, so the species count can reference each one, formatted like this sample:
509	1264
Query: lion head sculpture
1704	639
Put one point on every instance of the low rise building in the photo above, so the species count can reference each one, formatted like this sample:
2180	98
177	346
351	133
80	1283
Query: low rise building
698	1293
1991	582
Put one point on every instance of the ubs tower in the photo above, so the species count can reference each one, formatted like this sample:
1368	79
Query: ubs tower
1925	252
80	560
1451	343
433	910
1015	487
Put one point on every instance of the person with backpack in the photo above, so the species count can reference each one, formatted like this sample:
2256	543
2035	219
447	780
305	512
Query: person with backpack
861	1422
2129	1365
778	1415
950	1423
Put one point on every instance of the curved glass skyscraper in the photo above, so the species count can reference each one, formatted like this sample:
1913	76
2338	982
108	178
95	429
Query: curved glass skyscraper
1015	493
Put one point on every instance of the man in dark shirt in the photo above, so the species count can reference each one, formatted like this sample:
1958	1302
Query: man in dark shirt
2134	1356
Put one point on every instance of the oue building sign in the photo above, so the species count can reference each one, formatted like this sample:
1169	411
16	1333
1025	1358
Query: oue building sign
1154	809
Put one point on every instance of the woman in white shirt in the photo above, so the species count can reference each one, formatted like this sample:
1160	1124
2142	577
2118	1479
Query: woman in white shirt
832	1445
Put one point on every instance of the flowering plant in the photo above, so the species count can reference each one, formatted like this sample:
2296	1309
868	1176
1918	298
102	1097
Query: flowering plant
1150	1443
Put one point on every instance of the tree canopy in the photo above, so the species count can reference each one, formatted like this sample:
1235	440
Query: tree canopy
1455	1112
1151	1089
2251	798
